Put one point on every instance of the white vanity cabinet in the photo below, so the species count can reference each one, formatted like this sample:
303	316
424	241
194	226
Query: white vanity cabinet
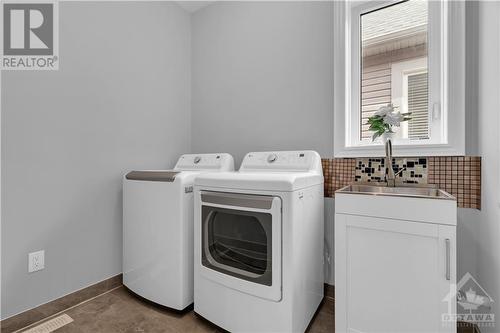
395	263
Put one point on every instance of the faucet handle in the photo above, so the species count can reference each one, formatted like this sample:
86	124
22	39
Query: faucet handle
400	171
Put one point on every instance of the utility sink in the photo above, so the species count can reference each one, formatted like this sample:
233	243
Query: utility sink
395	256
429	192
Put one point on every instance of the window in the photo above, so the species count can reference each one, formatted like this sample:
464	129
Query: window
390	35
417	103
397	52
410	93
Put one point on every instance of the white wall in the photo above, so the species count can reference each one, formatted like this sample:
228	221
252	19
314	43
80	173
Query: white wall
467	224
263	77
489	142
121	100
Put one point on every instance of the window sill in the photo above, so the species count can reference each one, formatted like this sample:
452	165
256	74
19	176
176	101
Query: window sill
400	150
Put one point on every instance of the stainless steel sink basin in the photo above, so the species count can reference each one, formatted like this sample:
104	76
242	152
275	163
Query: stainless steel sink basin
429	192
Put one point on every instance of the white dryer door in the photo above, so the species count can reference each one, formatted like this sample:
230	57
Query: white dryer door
241	242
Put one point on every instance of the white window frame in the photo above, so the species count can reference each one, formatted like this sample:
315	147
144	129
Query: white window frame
446	81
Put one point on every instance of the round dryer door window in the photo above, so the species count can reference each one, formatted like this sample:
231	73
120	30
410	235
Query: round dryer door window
241	242
238	243
237	235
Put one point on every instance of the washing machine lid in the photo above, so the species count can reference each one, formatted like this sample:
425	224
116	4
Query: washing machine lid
152	175
188	166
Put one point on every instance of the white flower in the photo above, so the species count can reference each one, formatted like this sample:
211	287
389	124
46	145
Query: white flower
384	110
389	116
393	118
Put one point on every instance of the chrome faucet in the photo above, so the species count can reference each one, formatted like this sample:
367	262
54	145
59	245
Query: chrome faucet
390	176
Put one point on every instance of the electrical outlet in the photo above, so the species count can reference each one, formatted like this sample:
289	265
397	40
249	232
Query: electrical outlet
36	261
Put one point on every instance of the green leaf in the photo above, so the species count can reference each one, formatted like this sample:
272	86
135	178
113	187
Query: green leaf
375	136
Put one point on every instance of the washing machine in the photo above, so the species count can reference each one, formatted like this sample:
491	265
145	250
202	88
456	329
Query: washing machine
158	228
258	243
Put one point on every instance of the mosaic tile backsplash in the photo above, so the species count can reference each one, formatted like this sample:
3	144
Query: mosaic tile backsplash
338	172
459	176
407	170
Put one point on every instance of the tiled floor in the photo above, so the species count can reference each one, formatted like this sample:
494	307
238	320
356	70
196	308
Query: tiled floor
121	312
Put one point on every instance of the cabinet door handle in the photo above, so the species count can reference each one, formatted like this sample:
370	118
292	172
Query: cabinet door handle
448	270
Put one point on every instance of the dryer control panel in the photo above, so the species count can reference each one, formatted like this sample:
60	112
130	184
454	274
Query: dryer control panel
214	162
306	161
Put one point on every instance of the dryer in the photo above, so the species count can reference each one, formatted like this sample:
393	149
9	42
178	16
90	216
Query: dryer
158	228
258	246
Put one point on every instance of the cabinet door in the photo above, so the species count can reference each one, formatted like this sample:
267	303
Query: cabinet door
392	275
